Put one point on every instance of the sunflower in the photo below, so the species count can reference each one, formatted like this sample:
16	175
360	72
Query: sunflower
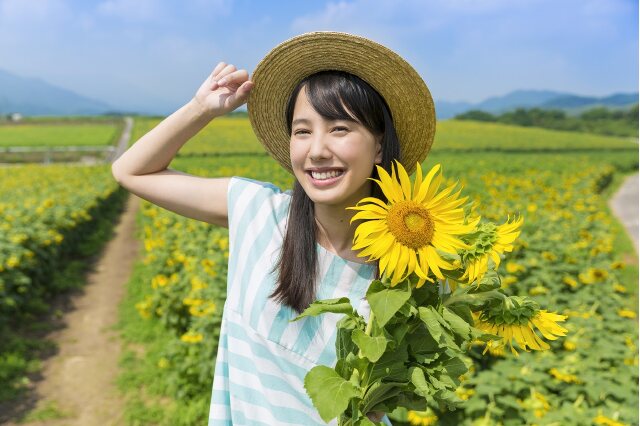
422	418
524	334
489	241
407	233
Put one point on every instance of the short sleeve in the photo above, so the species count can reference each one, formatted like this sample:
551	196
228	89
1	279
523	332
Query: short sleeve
247	198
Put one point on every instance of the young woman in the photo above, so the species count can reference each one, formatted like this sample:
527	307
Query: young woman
313	105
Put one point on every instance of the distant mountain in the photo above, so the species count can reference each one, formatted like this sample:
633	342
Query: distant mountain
32	96
544	99
621	99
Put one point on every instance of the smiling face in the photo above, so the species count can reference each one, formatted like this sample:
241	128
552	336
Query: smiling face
343	152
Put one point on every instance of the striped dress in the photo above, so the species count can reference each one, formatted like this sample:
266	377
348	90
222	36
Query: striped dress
262	358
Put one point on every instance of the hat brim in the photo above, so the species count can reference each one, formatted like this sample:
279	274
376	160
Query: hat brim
280	71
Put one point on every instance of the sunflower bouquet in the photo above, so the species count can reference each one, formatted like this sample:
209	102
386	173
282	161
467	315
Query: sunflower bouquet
410	351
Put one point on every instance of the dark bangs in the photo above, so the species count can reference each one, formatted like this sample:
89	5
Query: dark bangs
337	95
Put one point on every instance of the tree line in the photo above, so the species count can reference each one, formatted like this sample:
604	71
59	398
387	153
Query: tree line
598	120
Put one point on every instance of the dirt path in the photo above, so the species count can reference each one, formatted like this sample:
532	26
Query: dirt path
123	143
79	380
624	204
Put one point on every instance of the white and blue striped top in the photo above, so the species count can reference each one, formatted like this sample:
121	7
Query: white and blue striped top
262	357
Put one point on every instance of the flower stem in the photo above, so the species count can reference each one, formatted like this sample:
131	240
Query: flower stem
367	331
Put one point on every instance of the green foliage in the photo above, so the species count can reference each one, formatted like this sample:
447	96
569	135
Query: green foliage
341	305
330	392
598	120
385	301
409	358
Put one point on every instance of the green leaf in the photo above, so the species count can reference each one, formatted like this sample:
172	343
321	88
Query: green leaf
450	399
329	392
420	382
407	310
427	357
490	281
371	347
379	392
385	302
344	344
429	316
427	295
421	341
463	311
457	324
455	367
340	305
412	401
354	362
398	333
391	365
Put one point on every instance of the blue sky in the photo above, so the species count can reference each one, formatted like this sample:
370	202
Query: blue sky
154	54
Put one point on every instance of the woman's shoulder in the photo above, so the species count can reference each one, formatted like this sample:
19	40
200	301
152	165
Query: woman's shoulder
241	183
250	198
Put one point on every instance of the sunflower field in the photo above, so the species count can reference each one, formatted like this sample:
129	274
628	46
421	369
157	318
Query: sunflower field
51	217
568	257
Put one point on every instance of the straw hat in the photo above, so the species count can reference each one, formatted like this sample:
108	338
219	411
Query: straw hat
279	72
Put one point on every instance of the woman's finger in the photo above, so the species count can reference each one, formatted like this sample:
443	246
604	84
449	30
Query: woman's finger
237	77
225	71
217	69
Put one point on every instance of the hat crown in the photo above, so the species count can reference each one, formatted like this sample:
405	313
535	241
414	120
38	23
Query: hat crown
402	88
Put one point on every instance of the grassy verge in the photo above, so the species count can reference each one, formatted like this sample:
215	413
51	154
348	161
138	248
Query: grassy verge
622	246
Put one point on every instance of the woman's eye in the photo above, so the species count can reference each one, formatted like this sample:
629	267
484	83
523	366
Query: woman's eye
337	128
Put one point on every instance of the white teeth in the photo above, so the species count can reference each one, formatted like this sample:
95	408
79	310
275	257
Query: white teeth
328	175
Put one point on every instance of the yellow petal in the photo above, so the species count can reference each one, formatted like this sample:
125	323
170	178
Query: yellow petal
433	188
369	215
369	200
531	338
405	182
424	187
418	182
433	258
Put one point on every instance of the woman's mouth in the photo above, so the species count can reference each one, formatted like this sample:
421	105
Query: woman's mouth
325	178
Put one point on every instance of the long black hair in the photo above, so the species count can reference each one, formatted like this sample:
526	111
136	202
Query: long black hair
335	95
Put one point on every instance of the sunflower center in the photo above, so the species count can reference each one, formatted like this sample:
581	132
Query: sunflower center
410	223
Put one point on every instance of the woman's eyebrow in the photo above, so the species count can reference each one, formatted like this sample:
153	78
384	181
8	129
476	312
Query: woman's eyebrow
300	120
308	122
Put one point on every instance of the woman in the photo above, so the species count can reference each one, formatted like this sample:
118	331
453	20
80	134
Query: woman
315	109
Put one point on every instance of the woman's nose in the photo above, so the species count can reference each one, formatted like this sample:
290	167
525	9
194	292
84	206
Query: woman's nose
319	148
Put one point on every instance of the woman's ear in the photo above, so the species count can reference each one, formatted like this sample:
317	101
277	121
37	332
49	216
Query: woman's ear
378	159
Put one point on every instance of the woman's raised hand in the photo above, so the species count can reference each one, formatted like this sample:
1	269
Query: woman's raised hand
224	90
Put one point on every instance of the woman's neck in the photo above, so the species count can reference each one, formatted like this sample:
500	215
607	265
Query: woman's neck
334	230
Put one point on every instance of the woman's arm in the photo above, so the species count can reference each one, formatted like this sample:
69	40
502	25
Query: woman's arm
154	151
142	169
